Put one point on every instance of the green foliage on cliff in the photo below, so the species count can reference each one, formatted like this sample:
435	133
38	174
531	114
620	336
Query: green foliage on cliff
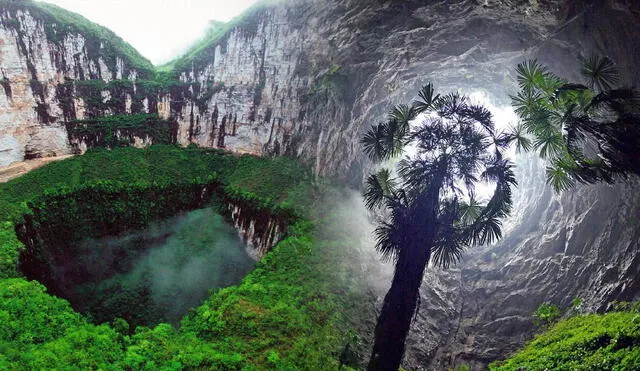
586	342
100	41
587	130
268	183
40	331
546	314
117	130
282	316
10	248
203	50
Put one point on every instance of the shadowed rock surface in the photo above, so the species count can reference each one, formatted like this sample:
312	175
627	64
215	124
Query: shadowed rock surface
306	78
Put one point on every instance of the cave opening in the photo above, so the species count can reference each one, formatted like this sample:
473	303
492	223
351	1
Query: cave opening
145	274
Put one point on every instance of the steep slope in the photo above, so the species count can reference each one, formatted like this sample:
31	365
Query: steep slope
305	78
585	342
58	67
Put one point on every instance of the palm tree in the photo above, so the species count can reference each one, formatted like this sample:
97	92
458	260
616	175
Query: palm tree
589	132
430	205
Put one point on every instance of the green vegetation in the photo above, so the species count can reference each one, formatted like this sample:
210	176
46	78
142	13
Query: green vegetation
584	342
588	131
282	316
203	50
118	130
270	184
546	314
59	23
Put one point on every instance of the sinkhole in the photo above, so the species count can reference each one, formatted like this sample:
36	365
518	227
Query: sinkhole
144	275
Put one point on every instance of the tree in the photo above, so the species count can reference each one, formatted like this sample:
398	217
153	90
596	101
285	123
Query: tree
430	206
589	132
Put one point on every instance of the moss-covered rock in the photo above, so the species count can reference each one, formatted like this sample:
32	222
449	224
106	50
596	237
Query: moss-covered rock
608	341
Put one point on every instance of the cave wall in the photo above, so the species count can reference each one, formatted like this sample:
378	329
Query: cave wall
259	230
306	78
584	243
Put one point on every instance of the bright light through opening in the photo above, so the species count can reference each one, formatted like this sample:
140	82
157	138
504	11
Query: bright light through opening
503	117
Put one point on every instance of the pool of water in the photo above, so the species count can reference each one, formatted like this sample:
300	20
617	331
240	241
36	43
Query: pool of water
157	274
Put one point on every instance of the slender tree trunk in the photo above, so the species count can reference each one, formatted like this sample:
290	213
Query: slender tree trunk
400	302
398	309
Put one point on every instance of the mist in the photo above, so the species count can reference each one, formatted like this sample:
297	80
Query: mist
349	225
159	30
159	273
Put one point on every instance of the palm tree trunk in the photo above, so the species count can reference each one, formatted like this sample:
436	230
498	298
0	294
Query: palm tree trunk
398	309
400	302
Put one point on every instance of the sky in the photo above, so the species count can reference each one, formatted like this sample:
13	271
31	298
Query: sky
159	29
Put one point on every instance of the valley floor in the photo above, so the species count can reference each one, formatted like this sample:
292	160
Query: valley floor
20	168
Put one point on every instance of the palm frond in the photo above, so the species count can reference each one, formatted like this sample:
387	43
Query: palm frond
517	134
490	231
396	134
600	72
487	227
470	211
526	102
498	170
559	178
531	75
549	144
481	115
551	83
378	186
447	250
566	88
417	174
450	104
373	143
427	99
620	101
388	243
402	114
385	140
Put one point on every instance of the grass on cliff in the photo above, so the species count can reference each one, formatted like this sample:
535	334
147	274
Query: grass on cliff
202	51
608	341
283	315
70	22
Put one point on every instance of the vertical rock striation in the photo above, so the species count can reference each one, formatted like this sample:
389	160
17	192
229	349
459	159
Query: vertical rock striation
306	78
58	67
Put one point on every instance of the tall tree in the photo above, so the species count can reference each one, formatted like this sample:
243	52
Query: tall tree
429	202
588	131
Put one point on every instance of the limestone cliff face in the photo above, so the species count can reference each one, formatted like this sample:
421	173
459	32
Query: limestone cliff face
259	231
54	72
271	85
306	78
